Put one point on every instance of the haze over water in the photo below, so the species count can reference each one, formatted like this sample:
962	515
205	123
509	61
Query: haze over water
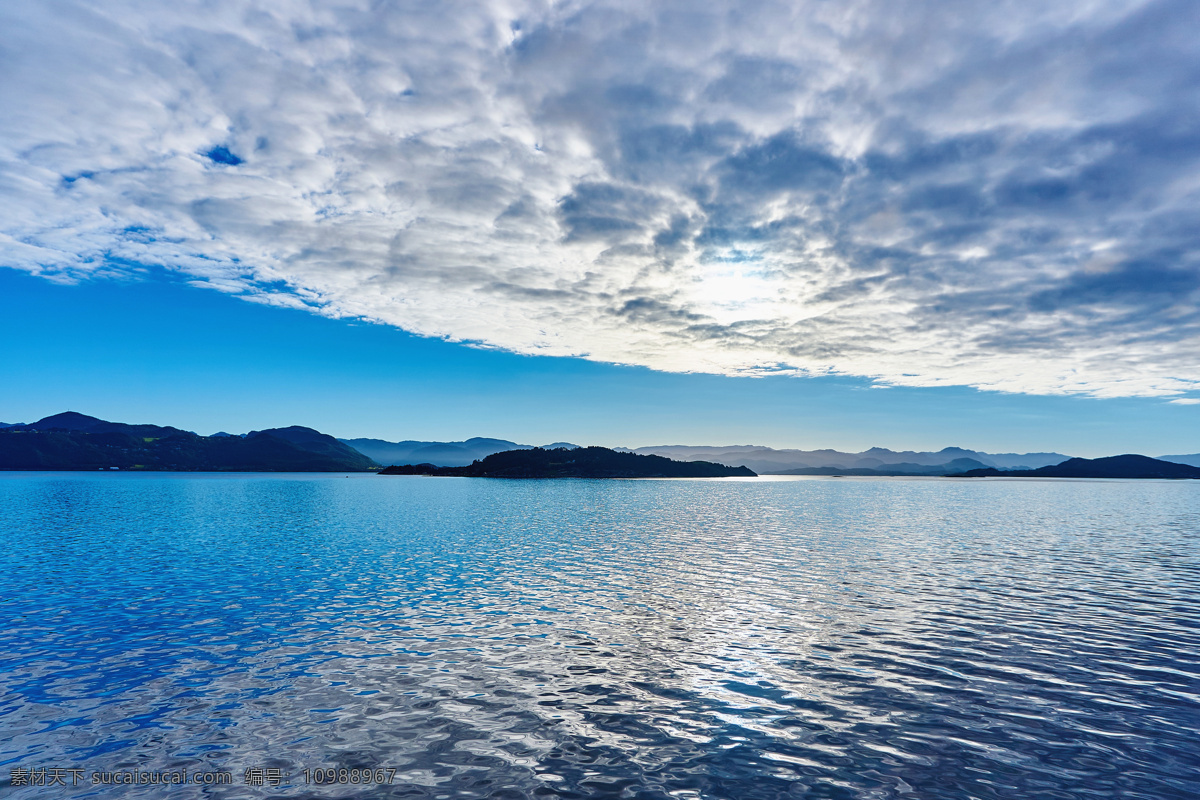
761	638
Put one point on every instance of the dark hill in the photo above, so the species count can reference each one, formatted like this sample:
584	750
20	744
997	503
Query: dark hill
69	421
1126	466
75	422
584	462
320	445
74	441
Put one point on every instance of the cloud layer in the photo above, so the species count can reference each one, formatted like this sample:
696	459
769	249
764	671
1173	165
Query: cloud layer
1001	195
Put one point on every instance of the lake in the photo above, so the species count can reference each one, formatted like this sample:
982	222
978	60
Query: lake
736	638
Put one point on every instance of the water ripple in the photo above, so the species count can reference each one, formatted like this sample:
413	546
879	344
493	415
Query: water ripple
639	639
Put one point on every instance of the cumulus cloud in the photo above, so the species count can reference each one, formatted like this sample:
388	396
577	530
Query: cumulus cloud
925	193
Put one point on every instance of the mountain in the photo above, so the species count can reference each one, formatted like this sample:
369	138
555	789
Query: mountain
903	468
581	462
441	454
74	441
1191	460
1126	466
767	460
81	423
763	460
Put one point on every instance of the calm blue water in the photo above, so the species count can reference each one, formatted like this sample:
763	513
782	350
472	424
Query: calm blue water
841	638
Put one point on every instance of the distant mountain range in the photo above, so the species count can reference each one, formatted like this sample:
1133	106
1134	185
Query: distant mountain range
876	461
901	468
763	460
1191	460
577	462
72	441
441	454
77	441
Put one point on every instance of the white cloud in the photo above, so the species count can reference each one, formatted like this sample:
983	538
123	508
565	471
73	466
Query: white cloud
1002	196
1185	401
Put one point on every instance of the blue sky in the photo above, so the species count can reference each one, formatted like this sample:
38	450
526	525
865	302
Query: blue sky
896	222
155	350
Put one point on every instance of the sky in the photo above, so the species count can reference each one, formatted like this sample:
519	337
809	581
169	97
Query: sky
806	224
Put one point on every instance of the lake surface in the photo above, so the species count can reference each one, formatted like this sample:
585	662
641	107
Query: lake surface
826	638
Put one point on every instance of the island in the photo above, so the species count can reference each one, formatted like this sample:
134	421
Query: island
1126	466
582	462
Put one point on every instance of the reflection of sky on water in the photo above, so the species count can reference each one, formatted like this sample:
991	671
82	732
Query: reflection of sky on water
719	638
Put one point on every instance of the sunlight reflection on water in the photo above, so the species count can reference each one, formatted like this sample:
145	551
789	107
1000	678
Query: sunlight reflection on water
857	638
